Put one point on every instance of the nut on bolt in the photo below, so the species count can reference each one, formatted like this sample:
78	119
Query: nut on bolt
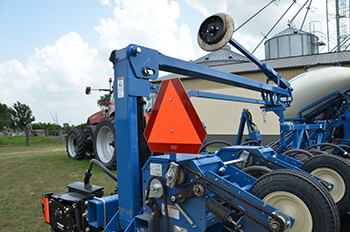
173	198
135	51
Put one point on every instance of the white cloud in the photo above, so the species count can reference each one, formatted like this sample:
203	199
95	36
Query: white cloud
104	2
209	7
54	79
152	25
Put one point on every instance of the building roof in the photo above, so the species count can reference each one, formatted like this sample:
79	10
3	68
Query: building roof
223	56
291	31
279	64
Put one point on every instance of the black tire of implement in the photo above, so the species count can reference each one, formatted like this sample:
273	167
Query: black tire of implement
89	142
323	210
337	164
75	136
110	123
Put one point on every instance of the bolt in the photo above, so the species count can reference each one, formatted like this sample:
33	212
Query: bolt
147	202
173	198
222	170
196	189
138	50
274	226
169	176
153	214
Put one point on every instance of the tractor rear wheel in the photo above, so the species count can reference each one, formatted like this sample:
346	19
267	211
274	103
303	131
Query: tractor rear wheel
75	144
335	170
301	197
104	146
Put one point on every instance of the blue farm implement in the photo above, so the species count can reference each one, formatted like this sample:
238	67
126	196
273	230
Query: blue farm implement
166	182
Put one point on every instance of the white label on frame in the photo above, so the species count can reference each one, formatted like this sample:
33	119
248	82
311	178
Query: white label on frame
155	169
120	83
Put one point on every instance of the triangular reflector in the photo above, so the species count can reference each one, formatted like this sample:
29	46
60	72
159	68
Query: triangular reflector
174	125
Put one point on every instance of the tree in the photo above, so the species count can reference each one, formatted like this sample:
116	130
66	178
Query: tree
5	119
103	99
22	117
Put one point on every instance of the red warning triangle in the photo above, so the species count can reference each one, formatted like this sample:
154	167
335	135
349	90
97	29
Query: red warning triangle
174	125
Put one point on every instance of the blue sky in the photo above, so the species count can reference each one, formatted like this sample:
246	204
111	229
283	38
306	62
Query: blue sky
26	25
51	50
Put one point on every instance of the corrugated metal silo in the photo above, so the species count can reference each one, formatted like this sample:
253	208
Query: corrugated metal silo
291	42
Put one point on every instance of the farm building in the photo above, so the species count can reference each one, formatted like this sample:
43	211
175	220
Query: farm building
222	118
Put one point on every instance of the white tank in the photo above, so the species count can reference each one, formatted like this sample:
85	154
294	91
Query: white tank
315	84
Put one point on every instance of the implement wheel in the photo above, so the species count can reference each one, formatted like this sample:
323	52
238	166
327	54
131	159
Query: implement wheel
335	170
75	144
104	145
215	32
301	197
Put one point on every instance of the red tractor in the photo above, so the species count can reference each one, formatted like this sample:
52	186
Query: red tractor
98	138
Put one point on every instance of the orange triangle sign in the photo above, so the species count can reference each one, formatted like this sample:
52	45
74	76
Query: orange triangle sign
174	125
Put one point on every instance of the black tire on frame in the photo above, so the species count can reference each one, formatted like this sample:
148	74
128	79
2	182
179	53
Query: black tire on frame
104	144
75	144
89	141
300	196
335	170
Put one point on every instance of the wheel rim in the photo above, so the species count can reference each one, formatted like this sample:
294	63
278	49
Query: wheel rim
293	206
72	145
105	144
333	177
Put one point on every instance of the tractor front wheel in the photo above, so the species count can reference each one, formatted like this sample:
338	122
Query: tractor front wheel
75	144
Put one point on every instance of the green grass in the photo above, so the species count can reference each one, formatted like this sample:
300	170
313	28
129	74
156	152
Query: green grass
29	172
21	140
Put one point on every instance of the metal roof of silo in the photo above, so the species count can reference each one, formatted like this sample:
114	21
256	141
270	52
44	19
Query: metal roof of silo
221	57
290	31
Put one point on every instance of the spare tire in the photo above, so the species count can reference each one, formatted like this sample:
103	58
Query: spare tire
75	144
104	145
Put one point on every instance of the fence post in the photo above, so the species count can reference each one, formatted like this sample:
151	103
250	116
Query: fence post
61	136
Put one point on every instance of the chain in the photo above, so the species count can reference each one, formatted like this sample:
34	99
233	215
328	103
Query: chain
157	217
165	206
237	208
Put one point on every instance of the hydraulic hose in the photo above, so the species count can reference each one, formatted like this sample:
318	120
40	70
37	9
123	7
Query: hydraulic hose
214	142
255	170
88	172
251	141
344	153
300	151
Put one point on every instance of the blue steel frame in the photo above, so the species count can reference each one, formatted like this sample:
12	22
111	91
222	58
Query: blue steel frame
307	130
134	66
252	133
